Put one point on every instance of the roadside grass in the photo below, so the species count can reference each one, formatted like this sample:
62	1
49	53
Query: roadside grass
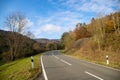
99	59
21	69
98	62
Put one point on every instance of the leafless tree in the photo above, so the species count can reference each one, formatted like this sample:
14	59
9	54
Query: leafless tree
16	23
116	22
30	35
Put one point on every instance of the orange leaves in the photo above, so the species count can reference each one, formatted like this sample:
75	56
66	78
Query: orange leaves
109	25
81	32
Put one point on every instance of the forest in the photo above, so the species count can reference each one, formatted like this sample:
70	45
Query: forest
95	40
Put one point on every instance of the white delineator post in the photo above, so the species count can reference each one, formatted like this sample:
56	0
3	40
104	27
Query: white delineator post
107	61
32	62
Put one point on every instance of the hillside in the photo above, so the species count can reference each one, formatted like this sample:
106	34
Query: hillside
3	44
23	45
95	40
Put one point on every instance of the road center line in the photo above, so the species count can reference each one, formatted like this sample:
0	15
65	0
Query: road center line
94	75
56	57
65	62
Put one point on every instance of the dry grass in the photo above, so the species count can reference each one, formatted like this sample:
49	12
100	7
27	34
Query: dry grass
89	51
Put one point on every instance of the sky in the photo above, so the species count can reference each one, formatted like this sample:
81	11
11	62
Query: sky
51	18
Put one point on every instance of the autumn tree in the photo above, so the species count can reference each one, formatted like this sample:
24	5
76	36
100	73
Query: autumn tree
102	27
63	39
116	22
81	31
68	39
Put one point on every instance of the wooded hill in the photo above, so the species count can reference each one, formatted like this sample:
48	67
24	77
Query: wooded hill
95	40
23	46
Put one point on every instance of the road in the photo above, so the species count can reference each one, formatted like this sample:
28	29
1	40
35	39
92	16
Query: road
57	66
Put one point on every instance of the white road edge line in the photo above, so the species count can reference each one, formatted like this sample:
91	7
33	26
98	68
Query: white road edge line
43	69
94	75
65	62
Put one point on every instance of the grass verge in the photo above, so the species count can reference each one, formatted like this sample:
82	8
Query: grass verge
97	62
82	56
21	69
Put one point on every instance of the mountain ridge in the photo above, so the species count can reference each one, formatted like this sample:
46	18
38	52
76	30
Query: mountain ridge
45	40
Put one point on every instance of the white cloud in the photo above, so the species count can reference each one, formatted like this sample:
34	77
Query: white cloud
97	6
75	11
91	5
58	23
51	28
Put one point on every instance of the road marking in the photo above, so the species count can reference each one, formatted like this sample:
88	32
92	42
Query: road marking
43	69
65	62
56	57
94	75
94	63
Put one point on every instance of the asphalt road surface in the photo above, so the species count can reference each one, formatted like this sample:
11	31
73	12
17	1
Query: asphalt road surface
57	66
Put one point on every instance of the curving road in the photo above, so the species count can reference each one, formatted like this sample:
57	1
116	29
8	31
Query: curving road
60	67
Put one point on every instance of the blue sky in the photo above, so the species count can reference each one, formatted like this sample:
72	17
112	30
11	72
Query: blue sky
50	18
